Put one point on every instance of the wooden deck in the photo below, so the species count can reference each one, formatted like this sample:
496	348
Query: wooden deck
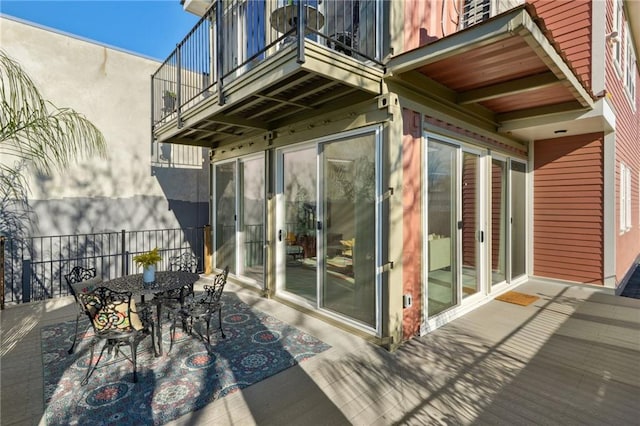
571	357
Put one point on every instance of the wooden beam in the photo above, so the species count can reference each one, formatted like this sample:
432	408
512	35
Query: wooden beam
236	121
513	87
540	111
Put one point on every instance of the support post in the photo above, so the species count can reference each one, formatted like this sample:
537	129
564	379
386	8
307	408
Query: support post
123	247
208	250
26	280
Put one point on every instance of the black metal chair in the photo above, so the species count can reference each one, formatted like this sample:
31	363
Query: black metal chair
186	261
117	322
80	280
173	300
204	308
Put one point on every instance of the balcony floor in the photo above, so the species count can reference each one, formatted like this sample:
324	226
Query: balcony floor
571	357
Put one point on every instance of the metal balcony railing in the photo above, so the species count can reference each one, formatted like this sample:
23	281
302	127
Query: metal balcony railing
236	35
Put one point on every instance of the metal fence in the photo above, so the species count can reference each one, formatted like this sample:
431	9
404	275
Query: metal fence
34	268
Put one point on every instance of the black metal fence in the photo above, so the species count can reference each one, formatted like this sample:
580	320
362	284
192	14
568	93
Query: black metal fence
34	268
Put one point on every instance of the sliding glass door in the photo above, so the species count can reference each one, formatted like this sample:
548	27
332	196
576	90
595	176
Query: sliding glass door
239	217
349	217
327	227
518	219
454	223
475	222
442	213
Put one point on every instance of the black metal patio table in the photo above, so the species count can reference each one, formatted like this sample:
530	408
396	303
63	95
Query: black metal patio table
165	281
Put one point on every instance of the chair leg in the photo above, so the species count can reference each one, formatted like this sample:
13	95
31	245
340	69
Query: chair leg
134	359
220	320
75	335
172	332
91	368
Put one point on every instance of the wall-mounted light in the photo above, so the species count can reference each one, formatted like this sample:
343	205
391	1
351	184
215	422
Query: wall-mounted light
613	37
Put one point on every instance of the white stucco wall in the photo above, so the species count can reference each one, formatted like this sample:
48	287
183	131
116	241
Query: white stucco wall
112	89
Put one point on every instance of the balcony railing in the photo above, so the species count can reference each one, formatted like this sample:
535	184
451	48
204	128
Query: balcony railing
236	35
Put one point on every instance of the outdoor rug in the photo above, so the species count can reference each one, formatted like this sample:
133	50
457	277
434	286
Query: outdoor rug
518	298
183	380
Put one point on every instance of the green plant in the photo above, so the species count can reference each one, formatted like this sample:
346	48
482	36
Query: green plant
34	132
169	93
147	259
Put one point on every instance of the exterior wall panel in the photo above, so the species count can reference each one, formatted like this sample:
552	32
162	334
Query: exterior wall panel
122	191
427	21
568	208
627	150
412	235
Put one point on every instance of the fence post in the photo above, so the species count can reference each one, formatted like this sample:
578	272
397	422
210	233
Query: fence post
207	250
2	238
122	250
26	280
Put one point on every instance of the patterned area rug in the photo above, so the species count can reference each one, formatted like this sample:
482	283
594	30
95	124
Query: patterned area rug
186	379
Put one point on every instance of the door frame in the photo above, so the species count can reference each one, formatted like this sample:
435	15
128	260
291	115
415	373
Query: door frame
466	304
280	251
238	211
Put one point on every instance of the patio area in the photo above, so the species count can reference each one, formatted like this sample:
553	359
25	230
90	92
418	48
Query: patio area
571	357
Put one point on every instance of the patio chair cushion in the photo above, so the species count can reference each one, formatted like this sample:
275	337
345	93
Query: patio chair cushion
86	286
114	316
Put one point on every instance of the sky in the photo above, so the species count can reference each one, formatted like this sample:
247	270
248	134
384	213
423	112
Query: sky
148	27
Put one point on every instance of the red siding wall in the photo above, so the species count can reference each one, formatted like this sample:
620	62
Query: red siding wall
568	208
569	22
627	140
428	20
412	235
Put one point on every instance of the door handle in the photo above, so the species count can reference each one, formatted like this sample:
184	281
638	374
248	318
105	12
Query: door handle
280	235
481	236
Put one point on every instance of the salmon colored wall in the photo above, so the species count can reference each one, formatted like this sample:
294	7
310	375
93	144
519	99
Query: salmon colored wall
428	20
627	140
568	231
569	22
412	235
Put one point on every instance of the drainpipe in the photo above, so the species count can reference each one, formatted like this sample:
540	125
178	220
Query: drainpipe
220	49
302	23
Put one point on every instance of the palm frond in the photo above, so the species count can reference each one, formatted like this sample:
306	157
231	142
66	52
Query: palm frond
36	131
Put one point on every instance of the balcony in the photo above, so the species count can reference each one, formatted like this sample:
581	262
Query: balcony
250	67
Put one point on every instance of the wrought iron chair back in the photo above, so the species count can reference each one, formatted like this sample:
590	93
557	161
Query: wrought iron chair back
117	322
204	308
78	275
186	261
173	300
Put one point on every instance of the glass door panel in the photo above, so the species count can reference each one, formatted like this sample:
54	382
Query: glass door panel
251	227
297	227
518	219
498	221
225	216
348	231
470	223
442	225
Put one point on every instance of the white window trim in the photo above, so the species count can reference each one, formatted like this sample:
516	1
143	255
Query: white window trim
630	67
617	21
628	205
625	198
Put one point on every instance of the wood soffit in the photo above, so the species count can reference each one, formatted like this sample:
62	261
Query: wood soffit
506	68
